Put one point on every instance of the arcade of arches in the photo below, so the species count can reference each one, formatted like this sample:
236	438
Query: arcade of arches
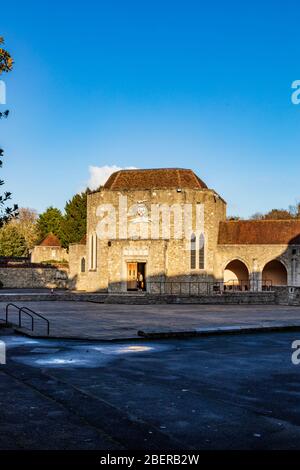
236	273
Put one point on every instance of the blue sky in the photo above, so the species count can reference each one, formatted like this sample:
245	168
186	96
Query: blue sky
202	85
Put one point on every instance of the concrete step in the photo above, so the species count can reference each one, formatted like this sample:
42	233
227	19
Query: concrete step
255	328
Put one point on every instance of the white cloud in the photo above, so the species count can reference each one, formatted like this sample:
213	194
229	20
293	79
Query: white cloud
100	174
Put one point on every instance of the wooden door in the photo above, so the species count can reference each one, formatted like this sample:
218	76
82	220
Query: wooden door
131	276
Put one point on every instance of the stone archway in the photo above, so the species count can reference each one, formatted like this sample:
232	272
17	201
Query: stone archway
274	273
236	276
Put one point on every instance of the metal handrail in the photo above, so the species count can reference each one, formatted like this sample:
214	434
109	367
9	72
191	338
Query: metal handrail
22	309
20	319
26	311
19	312
6	311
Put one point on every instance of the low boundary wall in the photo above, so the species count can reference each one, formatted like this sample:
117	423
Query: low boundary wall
33	277
279	296
250	298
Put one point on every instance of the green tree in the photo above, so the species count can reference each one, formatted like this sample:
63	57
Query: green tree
74	222
6	212
50	221
12	243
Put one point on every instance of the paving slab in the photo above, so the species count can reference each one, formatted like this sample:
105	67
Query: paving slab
226	392
87	320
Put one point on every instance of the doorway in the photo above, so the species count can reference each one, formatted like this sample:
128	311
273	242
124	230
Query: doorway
133	269
142	270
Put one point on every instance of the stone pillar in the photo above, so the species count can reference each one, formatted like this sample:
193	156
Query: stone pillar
295	276
255	277
293	272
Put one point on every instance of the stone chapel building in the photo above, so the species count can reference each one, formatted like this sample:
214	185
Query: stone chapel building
49	249
164	226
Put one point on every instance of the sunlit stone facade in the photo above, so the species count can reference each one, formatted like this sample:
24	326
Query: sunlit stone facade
164	226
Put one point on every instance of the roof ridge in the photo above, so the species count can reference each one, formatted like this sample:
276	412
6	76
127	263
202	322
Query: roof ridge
197	179
260	220
116	177
122	170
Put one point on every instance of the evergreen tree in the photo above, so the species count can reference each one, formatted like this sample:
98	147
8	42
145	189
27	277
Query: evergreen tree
50	221
74	222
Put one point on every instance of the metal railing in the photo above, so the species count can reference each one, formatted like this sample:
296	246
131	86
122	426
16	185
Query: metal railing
26	311
198	288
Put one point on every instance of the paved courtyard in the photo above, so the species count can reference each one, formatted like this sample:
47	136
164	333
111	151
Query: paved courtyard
88	320
228	392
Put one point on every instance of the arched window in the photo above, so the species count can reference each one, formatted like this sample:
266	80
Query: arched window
193	251
201	251
82	266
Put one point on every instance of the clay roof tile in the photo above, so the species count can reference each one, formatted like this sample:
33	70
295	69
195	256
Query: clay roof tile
50	240
156	178
260	232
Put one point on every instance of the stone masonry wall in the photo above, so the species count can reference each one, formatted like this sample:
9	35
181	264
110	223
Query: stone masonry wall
46	253
287	295
77	278
32	278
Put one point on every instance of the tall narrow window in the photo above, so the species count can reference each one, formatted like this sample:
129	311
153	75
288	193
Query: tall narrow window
91	251
95	252
83	265
201	252
193	251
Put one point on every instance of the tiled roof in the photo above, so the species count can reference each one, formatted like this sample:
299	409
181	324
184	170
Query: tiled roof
157	178
260	232
50	240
